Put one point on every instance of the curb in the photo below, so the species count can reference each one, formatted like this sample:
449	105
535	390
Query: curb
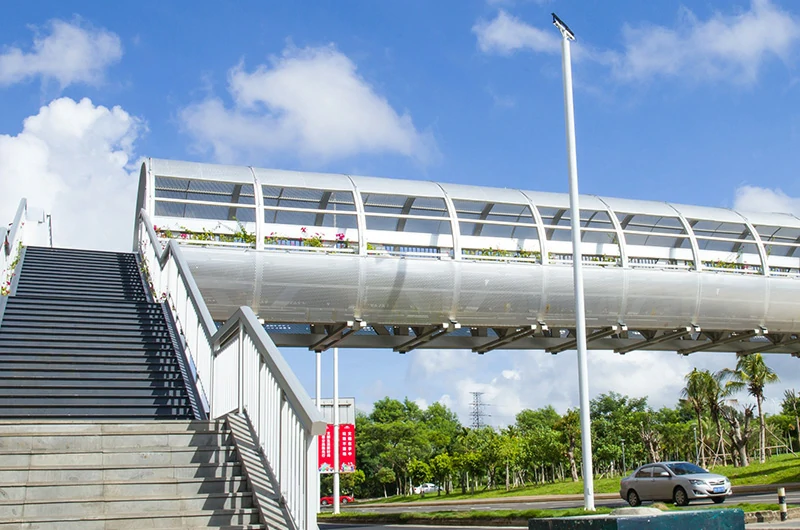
750	488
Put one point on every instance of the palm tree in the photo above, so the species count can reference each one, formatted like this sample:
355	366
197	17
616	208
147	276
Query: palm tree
753	374
695	394
791	402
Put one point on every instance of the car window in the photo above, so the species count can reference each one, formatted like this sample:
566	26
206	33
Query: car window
657	470
685	468
644	472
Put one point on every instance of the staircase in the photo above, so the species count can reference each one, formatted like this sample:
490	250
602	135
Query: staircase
81	340
102	475
98	428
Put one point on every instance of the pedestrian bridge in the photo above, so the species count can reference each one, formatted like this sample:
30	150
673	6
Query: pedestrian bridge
363	262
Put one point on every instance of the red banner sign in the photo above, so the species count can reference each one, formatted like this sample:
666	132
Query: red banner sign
347	449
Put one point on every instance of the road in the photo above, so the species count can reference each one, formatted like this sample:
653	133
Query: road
792	497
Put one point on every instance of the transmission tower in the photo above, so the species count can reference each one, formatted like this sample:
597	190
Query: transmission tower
478	410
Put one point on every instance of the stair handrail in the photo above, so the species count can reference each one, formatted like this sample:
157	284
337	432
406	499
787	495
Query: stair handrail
238	368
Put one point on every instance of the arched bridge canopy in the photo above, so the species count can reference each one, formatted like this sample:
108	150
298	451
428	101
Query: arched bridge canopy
386	262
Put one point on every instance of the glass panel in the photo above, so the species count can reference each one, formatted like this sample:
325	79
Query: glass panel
778	234
204	190
382	223
703	228
554	216
596	219
516	213
650	223
425	226
430	206
313	199
310	219
654	241
203	211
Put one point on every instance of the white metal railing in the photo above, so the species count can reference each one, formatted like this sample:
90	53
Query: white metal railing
12	248
238	368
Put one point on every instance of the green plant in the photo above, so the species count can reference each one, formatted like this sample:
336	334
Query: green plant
5	286
313	241
370	246
242	234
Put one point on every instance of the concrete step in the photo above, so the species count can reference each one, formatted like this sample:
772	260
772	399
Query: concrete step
121	457
240	518
130	489
70	442
83	506
57	474
109	427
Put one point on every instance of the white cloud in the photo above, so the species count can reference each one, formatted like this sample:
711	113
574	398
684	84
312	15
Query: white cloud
310	103
730	47
515	380
724	47
73	159
69	53
755	199
507	34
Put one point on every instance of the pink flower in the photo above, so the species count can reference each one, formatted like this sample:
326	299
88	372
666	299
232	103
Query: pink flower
340	236
303	229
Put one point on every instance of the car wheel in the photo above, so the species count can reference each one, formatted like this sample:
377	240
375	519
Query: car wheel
324	503
679	497
718	500
343	501
633	498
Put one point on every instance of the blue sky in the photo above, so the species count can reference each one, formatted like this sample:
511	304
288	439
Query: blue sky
692	102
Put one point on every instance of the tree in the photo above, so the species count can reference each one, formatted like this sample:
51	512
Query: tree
385	476
419	471
695	394
569	426
442	468
716	394
790	405
740	430
753	374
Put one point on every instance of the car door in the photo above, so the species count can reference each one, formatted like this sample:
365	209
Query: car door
661	484
642	482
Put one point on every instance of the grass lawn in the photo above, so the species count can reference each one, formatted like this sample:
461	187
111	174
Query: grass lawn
778	469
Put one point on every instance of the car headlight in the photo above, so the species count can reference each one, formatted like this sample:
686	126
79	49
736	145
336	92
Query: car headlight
696	482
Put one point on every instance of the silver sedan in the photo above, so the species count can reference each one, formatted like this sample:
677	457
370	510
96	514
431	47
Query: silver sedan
679	482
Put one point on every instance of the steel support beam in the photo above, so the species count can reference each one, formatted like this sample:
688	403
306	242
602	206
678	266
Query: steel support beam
657	340
520	333
599	334
337	335
427	336
734	336
773	346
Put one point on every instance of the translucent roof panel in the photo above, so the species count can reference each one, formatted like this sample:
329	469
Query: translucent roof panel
489	219
311	199
722	236
203	190
780	241
596	225
404	213
205	211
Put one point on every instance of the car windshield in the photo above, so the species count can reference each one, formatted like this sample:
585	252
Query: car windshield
685	468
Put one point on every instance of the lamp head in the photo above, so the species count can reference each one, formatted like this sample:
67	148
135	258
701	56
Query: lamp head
563	28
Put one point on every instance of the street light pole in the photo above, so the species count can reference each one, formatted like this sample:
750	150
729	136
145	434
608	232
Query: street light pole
577	259
624	467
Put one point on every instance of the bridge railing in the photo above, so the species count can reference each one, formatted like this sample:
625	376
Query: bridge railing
12	248
238	368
